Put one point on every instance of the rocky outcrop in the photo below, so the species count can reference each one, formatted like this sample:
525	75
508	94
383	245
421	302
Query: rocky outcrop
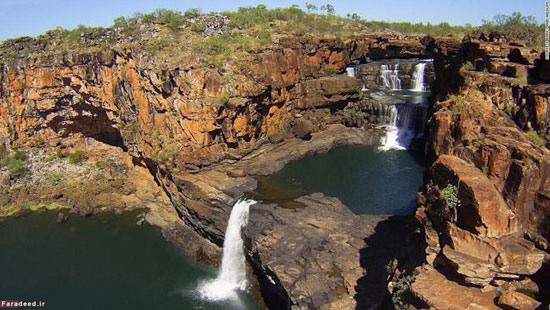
315	261
477	238
436	292
481	209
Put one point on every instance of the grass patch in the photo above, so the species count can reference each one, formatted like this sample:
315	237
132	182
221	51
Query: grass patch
77	156
50	206
534	137
55	178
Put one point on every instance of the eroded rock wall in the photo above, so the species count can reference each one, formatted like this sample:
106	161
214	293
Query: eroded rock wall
482	209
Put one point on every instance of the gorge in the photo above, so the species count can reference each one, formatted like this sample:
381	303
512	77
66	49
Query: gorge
445	140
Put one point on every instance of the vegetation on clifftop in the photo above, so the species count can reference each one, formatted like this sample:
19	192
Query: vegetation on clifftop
220	37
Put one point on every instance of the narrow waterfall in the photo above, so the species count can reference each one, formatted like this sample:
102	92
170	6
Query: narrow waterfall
232	274
401	127
350	71
418	77
389	74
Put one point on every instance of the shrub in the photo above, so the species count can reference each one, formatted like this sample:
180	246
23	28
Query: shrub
100	164
77	156
16	167
468	66
517	27
20	155
169	149
171	19
534	137
59	154
192	12
156	45
450	195
14	163
55	178
198	27
399	292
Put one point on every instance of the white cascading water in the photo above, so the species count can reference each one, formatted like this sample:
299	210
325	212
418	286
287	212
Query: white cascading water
389	75
418	77
232	275
350	71
399	130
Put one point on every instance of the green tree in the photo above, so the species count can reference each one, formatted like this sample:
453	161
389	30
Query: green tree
311	7
329	8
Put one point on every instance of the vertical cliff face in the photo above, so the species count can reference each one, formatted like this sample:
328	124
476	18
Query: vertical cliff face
146	106
484	209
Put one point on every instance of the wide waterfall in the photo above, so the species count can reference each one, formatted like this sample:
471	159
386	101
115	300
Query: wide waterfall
418	77
232	275
389	74
350	71
402	126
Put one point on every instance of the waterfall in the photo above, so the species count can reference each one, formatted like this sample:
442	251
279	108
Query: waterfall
232	274
418	77
350	71
389	74
400	129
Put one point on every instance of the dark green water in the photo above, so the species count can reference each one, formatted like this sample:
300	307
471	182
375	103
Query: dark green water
364	179
104	262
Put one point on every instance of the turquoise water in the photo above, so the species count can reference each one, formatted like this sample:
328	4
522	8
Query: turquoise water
103	262
364	179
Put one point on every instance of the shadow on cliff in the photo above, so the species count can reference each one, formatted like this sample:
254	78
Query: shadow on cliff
393	238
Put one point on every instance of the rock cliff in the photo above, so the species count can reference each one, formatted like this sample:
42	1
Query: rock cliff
482	209
202	132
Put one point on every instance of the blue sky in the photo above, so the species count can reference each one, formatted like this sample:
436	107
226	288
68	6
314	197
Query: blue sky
33	17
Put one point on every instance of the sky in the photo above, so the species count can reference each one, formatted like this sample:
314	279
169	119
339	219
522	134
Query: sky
34	17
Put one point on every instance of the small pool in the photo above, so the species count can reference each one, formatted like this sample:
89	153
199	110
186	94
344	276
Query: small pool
366	180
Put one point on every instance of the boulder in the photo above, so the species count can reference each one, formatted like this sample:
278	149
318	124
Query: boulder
432	288
302	129
61	217
511	299
275	138
482	209
480	260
